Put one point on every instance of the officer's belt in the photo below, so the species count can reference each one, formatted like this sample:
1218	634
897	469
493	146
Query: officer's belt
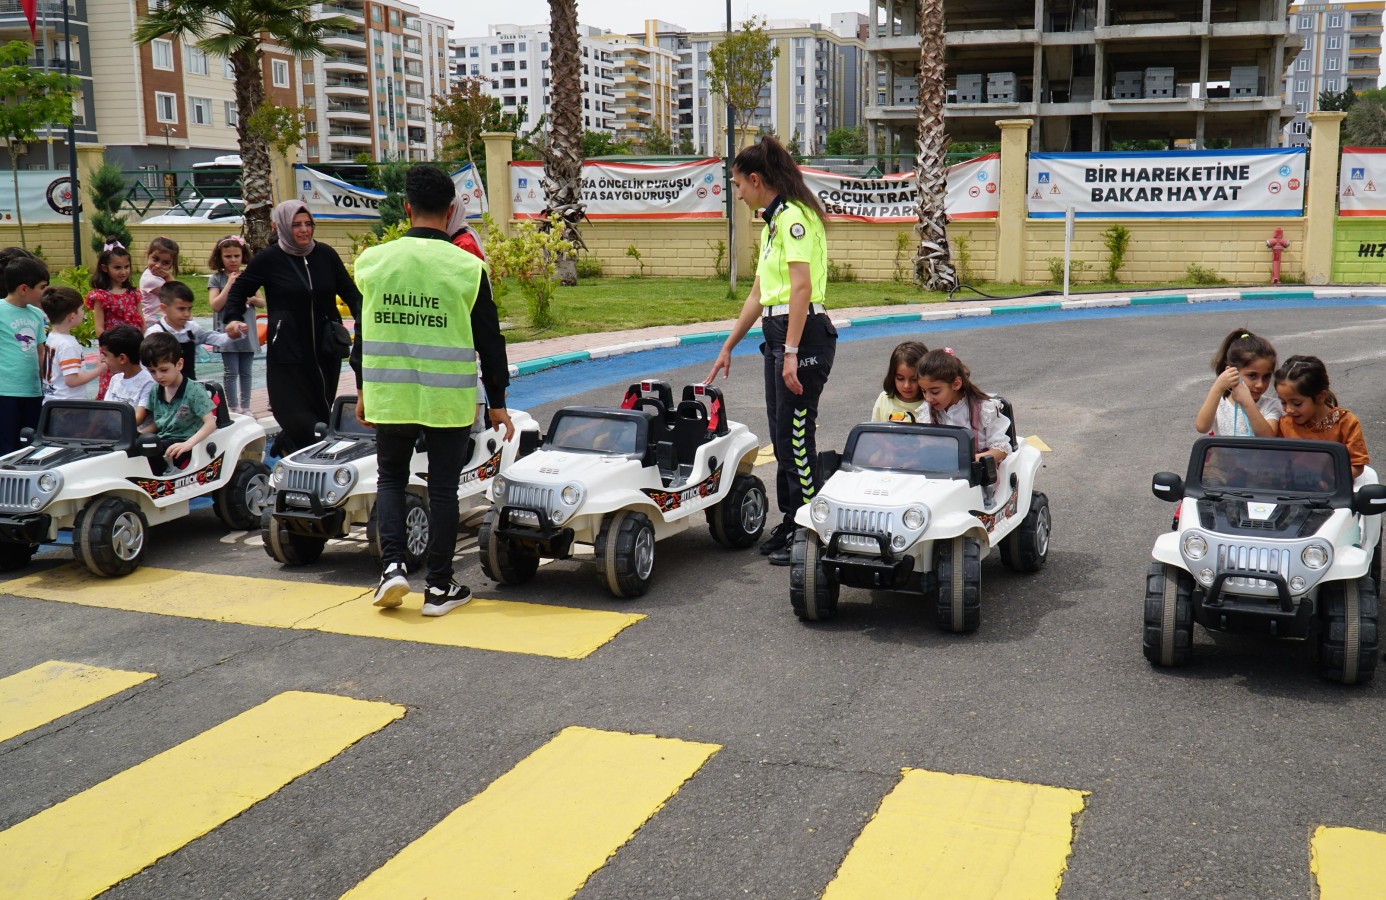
782	309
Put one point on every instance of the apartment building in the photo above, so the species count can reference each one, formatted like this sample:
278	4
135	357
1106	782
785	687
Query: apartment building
817	84
54	54
515	61
1090	72
645	87
1342	51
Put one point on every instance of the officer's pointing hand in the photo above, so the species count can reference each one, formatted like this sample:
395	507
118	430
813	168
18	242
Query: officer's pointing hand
721	364
501	417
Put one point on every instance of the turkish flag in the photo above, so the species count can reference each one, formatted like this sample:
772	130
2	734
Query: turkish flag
31	13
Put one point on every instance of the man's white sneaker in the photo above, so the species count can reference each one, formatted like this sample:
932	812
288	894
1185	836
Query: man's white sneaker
442	600
394	586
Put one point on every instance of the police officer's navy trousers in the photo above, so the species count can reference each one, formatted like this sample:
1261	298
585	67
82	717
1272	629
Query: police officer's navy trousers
793	418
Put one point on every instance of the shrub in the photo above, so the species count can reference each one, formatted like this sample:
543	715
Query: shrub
634	252
531	257
841	272
904	265
719	267
1202	275
587	267
962	259
1076	268
79	279
1117	239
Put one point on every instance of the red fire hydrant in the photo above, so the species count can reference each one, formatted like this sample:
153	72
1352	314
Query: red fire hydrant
1278	245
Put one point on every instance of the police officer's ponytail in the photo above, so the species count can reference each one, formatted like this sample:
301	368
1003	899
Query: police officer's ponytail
777	169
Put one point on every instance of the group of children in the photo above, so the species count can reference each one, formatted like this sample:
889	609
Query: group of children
146	338
1239	402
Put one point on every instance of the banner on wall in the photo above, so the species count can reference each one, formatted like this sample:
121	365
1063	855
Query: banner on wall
974	192
331	198
1362	182
470	189
45	198
1170	184
691	190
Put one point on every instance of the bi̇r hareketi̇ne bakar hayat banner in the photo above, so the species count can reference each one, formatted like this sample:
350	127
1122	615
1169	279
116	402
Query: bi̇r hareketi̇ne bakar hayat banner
1362	182
1173	184
694	190
331	198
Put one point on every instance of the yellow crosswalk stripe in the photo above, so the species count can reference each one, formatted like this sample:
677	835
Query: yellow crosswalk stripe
503	625
107	833
766	455
541	830
1348	863
1034	441
961	837
53	689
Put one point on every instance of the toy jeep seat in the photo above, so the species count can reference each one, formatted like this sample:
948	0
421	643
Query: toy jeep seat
1009	413
656	398
218	402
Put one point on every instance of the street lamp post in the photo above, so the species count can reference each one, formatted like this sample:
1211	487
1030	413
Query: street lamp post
731	154
72	146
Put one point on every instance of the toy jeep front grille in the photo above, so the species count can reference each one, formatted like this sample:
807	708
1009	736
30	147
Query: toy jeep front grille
869	521
1248	557
529	496
306	481
15	492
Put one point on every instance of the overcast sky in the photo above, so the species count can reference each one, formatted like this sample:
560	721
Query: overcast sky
474	16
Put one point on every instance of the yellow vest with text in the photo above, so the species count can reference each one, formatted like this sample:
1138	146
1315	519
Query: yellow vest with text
418	362
795	234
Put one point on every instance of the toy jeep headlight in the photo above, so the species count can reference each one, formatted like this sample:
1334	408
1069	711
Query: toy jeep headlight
498	486
1195	547
49	482
1315	556
277	476
819	510
915	518
344	476
569	499
571	494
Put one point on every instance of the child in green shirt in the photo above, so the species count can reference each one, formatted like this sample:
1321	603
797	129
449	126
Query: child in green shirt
180	410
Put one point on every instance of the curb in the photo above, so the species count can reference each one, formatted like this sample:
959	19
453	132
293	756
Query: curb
539	364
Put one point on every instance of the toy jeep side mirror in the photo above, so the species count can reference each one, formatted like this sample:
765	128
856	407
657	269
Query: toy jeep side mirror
148	445
1167	486
984	470
829	461
1370	500
26	436
529	442
319	430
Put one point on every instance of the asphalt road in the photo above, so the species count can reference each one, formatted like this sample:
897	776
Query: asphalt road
1204	782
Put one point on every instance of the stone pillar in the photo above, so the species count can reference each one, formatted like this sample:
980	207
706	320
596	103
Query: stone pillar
500	150
1321	204
747	228
90	157
283	184
1010	225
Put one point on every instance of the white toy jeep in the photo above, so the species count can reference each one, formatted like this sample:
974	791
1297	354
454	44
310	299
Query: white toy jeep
1270	538
622	479
323	491
87	469
906	507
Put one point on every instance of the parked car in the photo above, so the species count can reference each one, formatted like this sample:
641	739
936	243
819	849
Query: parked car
222	211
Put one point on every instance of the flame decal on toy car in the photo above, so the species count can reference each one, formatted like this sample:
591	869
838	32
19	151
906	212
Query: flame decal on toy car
671	500
991	520
167	487
488	469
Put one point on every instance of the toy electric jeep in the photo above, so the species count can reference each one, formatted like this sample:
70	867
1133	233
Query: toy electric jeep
906	507
1270	539
86	468
322	491
622	479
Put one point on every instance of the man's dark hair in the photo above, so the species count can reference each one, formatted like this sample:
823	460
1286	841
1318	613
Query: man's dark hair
429	190
122	340
20	267
175	290
160	347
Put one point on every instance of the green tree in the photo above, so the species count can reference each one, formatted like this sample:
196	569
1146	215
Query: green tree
846	142
685	147
1330	101
234	30
30	99
739	68
106	187
282	127
466	112
561	149
1365	125
391	177
657	142
933	258
600	143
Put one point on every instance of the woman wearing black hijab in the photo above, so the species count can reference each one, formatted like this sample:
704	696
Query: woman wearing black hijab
301	279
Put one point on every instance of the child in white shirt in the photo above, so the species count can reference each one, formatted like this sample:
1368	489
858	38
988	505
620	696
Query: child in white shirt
63	378
953	399
1240	401
900	398
131	382
177	300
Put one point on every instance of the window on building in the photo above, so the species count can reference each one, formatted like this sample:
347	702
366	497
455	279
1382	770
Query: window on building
1302	64
508	65
522	46
162	51
1334	42
544	47
509	101
166	108
1306	22
199	111
310	127
312	149
1299	107
476	70
524	82
279	72
394	17
375	13
1330	84
309	77
311	102
197	61
473	52
1334	63
507	48
1300	128
495	67
1301	86
507	83
227	71
1335	21
524	64
494	50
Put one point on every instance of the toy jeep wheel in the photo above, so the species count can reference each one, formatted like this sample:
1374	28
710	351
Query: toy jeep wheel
502	561
958	567
1348	646
415	532
286	547
625	554
1375	570
1168	636
240	503
740	518
1027	548
108	536
16	556
811	593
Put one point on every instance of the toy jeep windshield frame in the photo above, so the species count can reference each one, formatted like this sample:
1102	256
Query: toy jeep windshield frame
634	426
941	450
57	417
1207	476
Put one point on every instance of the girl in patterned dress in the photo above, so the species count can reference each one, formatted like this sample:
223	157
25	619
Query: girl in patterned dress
114	299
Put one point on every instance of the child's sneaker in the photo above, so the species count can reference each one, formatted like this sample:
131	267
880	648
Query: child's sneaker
394	585
441	600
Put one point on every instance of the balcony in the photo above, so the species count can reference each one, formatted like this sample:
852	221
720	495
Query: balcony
348	63
413	70
413	46
356	15
356	136
346	40
348	112
12	10
411	25
346	87
1366	22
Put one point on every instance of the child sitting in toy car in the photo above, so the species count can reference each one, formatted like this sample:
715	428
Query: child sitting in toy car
181	411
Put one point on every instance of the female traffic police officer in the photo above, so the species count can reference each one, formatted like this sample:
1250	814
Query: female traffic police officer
800	340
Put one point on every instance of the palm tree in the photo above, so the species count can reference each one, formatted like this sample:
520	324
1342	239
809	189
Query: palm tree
933	265
234	29
562	150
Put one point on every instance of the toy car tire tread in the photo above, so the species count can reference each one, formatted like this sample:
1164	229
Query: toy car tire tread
625	554
502	561
1348	640
108	536
739	519
958	566
811	593
1027	548
1168	635
243	499
283	546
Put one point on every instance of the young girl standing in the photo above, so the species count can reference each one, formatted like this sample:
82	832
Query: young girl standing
954	400
1312	411
239	355
161	259
113	299
1240	401
900	397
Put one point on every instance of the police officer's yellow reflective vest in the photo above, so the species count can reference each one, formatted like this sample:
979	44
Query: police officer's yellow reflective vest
418	362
